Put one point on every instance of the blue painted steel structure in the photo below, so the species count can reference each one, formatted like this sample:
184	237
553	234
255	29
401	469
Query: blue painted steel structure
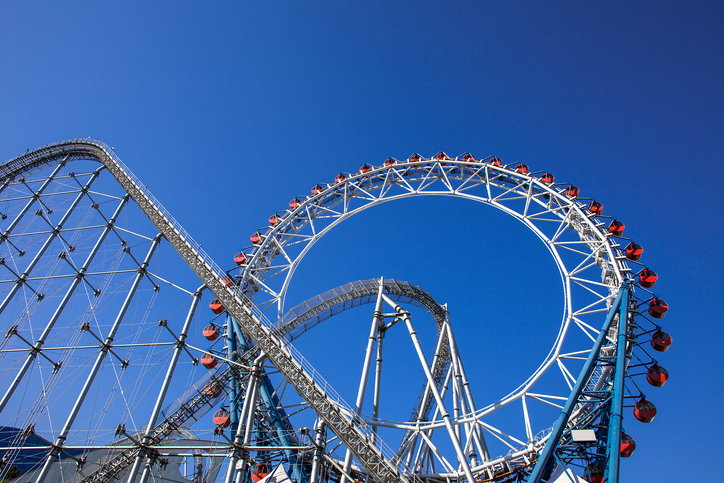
606	405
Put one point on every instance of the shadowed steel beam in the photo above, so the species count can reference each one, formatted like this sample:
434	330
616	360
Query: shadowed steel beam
614	432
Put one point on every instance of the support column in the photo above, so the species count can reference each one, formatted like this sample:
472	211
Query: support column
162	392
614	429
378	386
238	453
318	451
462	379
374	329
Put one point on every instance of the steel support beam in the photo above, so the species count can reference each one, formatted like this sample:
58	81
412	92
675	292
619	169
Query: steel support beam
616	418
371	340
147	439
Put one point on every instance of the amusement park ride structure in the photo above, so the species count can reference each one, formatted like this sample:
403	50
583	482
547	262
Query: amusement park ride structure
102	328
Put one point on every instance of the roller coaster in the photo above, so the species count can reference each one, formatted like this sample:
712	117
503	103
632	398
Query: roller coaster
110	367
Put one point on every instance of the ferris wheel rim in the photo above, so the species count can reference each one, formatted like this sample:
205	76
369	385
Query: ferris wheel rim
408	166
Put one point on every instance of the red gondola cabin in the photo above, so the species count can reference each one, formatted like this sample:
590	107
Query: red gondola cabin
209	361
658	308
212	389
260	471
222	418
547	178
647	278
522	169
216	306
634	251
595	207
657	375
240	259
593	473
660	341
644	411
628	445
211	332
572	192
616	228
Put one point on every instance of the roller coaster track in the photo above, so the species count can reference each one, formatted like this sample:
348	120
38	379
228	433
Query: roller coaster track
352	294
353	432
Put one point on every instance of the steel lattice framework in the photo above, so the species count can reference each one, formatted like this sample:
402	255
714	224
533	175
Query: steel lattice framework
70	260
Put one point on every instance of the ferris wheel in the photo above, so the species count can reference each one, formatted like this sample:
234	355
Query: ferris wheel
103	325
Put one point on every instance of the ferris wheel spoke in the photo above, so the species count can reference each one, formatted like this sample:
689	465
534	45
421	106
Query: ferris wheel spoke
514	189
366	195
582	281
571	249
583	266
577	355
431	177
570	380
585	284
601	301
545	399
388	182
446	181
402	182
589	331
295	239
476	177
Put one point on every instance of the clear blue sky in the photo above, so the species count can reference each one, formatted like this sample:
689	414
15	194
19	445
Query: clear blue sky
229	109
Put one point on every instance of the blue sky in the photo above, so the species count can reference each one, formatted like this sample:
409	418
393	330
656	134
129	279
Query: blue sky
227	110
